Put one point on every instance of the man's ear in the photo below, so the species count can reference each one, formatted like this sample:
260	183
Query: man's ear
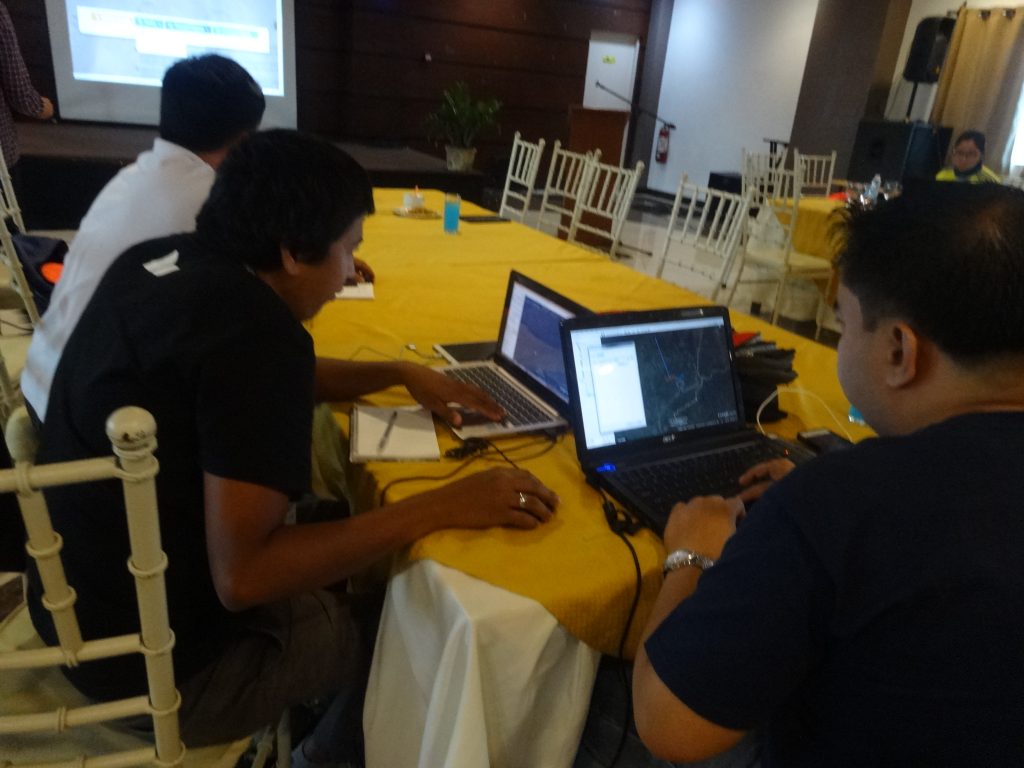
288	262
904	349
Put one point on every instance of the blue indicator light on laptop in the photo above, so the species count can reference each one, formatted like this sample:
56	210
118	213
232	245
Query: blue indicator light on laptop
606	468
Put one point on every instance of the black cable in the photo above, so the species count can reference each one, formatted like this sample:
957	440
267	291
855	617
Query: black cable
470	450
446	476
622	523
548	442
494	447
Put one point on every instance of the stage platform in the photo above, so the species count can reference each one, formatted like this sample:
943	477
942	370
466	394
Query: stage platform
65	165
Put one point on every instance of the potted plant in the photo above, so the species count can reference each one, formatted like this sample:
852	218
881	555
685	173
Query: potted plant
458	121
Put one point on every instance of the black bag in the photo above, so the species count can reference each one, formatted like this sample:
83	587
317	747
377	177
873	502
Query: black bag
761	369
34	251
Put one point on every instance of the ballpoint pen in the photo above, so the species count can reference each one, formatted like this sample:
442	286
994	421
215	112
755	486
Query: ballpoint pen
387	431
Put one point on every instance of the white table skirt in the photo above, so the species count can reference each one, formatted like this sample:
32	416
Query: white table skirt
467	675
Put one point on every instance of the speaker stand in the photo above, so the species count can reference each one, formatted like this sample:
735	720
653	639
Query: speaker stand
913	94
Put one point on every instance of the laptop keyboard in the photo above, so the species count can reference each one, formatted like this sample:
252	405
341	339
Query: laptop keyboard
520	409
662	485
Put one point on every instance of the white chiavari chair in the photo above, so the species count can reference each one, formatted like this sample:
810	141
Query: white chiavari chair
703	235
568	173
44	721
602	207
520	179
816	172
768	254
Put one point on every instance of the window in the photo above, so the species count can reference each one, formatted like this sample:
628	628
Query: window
1017	154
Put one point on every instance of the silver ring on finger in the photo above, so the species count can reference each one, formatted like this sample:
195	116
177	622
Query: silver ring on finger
522	500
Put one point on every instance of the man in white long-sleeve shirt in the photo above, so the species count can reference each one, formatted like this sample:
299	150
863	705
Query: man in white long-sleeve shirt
207	104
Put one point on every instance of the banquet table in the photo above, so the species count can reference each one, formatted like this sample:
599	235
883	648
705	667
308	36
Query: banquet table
813	220
489	640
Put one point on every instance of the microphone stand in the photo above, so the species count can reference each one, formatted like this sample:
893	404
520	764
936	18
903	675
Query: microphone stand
636	108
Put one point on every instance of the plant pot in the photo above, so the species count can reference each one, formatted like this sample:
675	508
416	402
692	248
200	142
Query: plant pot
460	158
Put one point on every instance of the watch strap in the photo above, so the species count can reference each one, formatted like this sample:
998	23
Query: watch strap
681	558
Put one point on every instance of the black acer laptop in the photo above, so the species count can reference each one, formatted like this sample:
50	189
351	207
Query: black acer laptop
657	409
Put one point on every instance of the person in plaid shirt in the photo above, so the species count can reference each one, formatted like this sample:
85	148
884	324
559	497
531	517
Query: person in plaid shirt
16	91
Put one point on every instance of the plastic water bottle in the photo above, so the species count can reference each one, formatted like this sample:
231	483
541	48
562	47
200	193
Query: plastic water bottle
451	213
872	191
855	416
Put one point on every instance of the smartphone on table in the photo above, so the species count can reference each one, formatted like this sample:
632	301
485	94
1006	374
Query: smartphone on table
823	440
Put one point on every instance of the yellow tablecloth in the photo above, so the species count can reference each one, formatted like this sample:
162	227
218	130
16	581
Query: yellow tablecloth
433	287
813	221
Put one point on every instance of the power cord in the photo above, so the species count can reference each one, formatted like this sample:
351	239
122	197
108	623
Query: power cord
364	348
412	348
446	476
623	523
469	451
798	390
387	356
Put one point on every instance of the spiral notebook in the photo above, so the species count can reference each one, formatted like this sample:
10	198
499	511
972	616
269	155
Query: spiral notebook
405	433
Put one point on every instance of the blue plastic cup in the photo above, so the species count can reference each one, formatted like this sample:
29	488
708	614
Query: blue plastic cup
452	203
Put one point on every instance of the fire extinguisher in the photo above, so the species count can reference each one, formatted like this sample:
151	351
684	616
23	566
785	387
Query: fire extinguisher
661	153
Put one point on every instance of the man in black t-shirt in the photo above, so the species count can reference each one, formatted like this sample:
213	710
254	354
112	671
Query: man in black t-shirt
205	331
870	608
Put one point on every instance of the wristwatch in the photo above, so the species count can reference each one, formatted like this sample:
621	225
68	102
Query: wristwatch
681	558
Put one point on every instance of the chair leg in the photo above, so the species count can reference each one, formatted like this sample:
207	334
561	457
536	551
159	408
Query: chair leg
819	316
264	746
736	282
723	276
779	295
284	741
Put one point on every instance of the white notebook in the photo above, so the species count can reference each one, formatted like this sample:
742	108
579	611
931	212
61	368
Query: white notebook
405	433
358	291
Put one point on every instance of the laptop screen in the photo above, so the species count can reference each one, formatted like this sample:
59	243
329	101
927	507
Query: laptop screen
530	340
638	380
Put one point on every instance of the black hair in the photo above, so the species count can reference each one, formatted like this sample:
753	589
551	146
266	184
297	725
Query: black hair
976	136
281	188
208	102
949	261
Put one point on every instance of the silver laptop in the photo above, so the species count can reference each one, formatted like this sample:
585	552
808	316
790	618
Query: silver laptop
526	376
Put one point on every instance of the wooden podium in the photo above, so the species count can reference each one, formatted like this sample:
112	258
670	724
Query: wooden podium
591	129
603	129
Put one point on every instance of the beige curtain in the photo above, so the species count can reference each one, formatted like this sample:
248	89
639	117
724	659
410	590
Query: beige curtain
981	81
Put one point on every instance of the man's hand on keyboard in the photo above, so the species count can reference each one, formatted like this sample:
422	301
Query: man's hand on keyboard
703	524
759	478
435	391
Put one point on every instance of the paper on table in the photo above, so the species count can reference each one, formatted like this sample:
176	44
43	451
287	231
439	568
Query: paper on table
411	437
357	291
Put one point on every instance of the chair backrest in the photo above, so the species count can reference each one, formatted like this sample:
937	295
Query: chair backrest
816	172
759	172
10	392
603	204
704	232
775	222
10	200
521	176
132	431
568	173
